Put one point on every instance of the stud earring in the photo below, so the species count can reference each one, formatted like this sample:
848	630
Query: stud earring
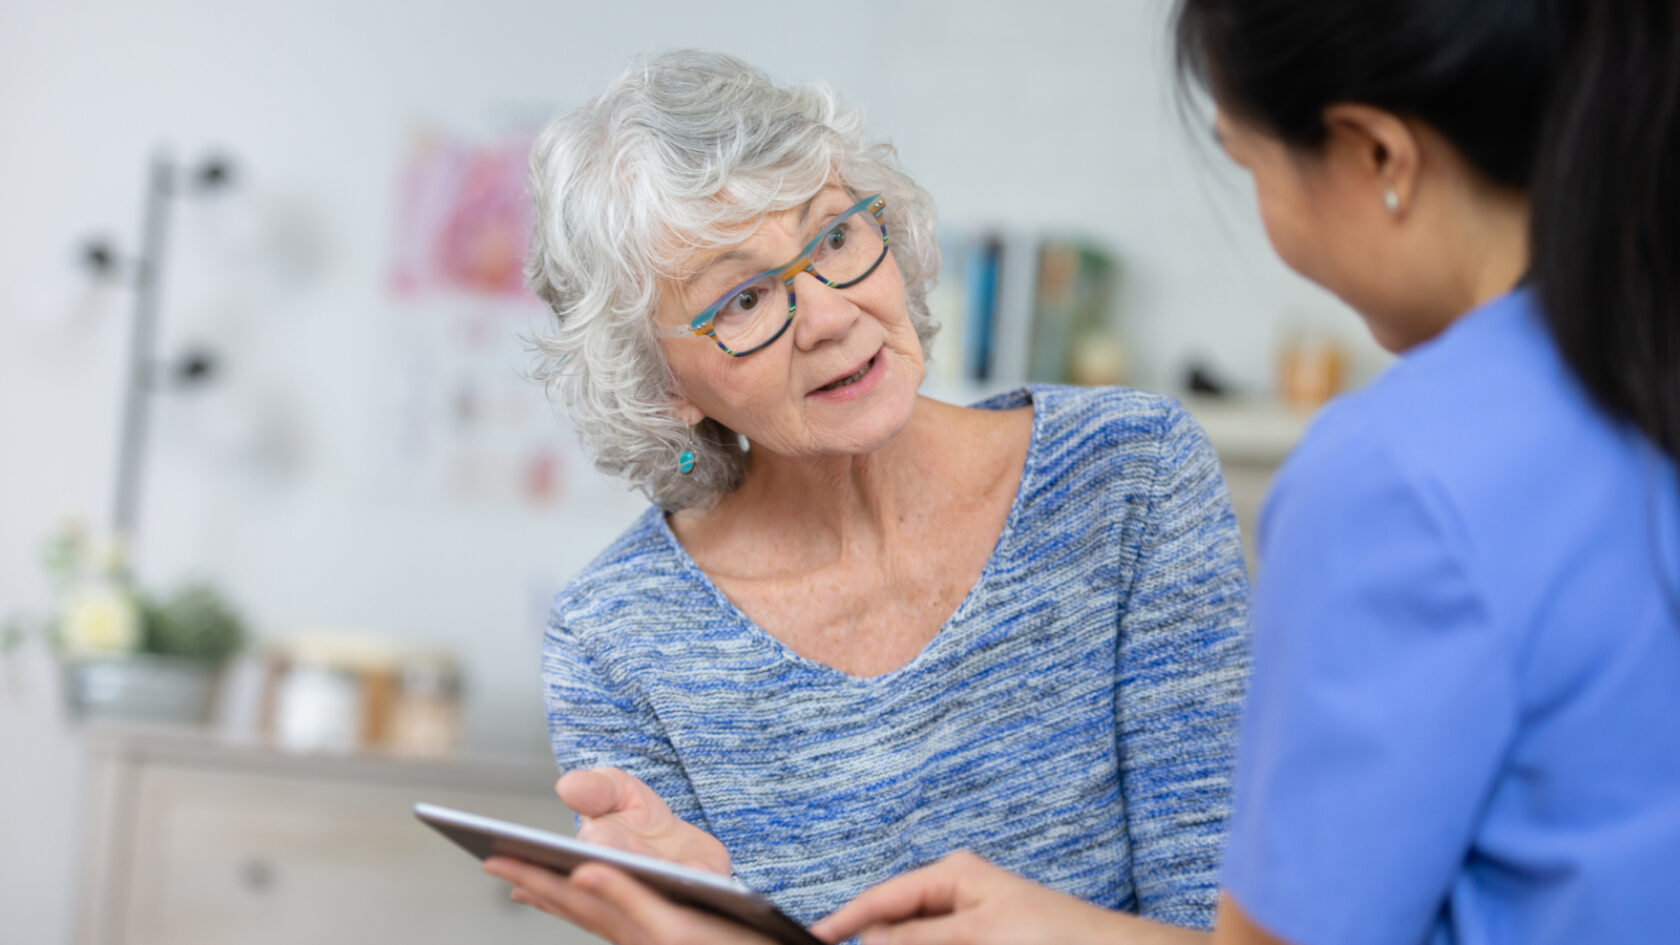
1391	200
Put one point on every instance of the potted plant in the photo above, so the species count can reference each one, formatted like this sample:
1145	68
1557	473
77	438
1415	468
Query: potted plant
128	654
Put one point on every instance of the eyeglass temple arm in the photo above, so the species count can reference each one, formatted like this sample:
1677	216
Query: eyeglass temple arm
678	331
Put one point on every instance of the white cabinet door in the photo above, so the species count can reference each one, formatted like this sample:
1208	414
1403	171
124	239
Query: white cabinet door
222	857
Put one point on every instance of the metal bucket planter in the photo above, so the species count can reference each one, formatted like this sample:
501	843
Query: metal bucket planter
140	687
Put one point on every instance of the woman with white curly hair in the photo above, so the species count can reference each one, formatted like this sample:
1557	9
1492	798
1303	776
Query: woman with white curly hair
860	628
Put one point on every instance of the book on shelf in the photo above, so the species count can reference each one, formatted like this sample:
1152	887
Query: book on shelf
1074	338
1015	307
981	262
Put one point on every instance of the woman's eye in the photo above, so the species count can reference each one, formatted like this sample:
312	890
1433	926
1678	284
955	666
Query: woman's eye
837	238
746	301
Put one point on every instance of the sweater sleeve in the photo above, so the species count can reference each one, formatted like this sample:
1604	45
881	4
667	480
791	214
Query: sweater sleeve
594	719
1183	671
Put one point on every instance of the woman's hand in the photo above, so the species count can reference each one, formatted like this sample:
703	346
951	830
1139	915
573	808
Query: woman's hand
963	898
620	811
615	907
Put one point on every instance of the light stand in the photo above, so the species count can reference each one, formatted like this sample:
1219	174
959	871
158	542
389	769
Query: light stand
164	181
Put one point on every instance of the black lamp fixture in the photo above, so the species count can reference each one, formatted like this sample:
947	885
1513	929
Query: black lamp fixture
165	181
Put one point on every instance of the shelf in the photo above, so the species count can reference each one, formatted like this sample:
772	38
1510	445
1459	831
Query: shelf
1242	430
1250	431
193	747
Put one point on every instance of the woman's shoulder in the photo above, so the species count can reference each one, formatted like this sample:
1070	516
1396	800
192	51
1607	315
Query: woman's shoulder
629	574
1106	458
1487	407
1136	430
1072	400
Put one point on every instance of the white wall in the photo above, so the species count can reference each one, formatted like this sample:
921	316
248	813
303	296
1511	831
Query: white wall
1053	114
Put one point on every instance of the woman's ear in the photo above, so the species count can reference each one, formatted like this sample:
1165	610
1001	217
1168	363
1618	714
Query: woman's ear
685	410
1378	146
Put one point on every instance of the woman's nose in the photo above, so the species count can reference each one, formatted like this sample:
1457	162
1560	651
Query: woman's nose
820	311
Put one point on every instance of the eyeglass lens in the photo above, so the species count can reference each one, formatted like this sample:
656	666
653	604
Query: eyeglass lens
843	253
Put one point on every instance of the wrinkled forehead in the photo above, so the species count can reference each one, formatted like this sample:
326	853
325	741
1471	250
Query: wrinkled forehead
715	225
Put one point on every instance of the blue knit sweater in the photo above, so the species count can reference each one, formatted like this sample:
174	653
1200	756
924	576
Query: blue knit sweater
1073	721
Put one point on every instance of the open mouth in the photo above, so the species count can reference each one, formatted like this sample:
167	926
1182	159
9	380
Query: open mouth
852	378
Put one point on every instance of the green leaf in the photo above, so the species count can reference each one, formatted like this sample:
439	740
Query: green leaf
196	622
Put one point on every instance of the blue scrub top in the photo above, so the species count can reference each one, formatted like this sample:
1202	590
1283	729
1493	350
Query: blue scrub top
1464	720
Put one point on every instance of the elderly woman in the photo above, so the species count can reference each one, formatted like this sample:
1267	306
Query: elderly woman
859	628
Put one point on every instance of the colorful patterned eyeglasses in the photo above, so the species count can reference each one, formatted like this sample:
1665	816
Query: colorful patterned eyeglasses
751	316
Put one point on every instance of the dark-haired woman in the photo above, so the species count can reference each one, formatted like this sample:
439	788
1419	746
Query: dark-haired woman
1464	724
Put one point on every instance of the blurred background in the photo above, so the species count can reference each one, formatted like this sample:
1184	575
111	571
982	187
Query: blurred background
346	499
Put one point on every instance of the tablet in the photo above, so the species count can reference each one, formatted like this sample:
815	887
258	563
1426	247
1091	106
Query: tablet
485	837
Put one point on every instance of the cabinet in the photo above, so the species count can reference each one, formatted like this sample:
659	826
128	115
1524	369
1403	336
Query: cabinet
195	841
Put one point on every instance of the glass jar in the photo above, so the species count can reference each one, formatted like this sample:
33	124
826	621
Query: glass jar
425	718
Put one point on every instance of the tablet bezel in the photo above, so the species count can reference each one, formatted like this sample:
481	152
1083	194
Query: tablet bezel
485	837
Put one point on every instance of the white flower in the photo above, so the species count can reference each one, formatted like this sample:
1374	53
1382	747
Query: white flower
99	618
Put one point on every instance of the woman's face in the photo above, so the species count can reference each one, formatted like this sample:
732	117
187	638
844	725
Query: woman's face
801	395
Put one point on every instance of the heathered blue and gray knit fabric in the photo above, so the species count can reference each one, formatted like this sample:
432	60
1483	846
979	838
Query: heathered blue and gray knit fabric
1073	721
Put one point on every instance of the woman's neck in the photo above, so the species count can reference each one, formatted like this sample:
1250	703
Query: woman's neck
1496	249
843	492
818	509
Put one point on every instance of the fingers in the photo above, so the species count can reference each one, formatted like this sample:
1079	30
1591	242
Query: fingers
929	891
547	891
942	930
610	904
608	832
655	919
619	810
590	792
630	898
603	797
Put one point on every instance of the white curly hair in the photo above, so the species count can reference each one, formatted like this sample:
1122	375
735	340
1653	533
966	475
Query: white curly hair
684	152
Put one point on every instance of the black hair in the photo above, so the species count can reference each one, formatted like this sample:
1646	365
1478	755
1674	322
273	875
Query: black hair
1574	102
1606	211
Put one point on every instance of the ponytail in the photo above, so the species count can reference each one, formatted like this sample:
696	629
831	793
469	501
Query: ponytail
1606	210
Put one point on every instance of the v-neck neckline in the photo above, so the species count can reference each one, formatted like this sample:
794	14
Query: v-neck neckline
946	629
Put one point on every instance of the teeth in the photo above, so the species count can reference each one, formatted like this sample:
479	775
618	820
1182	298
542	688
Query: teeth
853	379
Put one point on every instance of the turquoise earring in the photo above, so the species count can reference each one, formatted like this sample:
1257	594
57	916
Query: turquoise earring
685	460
